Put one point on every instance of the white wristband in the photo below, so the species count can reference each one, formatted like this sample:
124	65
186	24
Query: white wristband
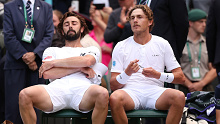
166	77
122	78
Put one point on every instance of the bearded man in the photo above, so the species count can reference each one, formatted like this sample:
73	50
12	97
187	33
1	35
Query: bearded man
70	68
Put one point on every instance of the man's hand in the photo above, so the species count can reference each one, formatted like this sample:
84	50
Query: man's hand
33	66
196	86
107	10
90	73
150	72
123	16
133	67
92	10
28	57
45	66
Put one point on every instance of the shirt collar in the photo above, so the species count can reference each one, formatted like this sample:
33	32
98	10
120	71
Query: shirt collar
25	2
201	39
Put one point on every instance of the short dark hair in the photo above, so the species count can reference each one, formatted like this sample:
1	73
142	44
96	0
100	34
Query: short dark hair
81	19
147	11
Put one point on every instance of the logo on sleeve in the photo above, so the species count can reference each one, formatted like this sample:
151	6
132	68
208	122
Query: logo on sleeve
48	57
92	52
82	54
113	63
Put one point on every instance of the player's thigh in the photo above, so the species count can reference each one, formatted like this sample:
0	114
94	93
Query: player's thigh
124	98
167	98
39	97
91	95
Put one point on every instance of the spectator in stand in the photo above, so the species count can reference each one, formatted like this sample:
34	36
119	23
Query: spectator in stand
118	27
99	21
194	61
26	35
57	40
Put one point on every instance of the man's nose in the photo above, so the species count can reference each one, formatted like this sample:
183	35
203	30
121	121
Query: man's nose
70	27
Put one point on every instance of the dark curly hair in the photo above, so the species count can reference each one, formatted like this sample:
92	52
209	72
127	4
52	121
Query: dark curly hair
81	19
147	11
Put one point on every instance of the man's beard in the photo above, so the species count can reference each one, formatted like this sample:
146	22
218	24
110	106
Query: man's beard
71	37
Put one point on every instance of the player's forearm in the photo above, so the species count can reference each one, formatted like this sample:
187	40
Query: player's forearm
114	84
56	73
179	77
73	62
187	82
209	77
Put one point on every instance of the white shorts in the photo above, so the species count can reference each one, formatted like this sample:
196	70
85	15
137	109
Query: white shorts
144	97
66	93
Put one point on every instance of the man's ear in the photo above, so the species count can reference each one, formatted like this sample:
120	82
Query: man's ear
150	22
82	29
190	23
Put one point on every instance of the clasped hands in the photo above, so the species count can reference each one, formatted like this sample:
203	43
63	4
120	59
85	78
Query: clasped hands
29	59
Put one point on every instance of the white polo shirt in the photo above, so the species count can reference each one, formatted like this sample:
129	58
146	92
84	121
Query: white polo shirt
66	52
157	53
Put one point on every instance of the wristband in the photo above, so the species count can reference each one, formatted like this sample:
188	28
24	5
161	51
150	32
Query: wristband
166	77
120	25
122	78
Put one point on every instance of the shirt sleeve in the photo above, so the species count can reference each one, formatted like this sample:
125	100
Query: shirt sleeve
117	59
170	60
94	51
49	54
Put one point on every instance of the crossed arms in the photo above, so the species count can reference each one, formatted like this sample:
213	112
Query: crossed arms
59	68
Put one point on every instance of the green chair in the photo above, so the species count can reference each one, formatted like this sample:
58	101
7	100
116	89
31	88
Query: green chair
85	118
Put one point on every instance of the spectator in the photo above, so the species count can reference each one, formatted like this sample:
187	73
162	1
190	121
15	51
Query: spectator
99	21
84	6
57	41
118	28
213	36
194	61
199	4
137	75
168	22
70	66
25	38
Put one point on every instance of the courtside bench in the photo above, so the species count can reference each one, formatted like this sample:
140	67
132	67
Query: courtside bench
85	118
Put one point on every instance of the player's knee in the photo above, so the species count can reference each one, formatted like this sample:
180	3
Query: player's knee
115	99
24	99
179	99
103	96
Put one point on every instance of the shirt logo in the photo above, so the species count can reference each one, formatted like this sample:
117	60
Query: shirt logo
114	63
120	76
92	52
155	55
48	57
82	54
